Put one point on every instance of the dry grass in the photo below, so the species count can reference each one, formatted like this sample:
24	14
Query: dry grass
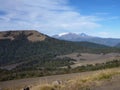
79	83
44	87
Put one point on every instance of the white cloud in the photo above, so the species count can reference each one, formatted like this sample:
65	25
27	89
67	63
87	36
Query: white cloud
104	34
46	15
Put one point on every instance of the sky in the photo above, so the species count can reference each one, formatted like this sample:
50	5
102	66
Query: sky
93	17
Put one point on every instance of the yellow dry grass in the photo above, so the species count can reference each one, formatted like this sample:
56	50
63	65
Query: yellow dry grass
84	83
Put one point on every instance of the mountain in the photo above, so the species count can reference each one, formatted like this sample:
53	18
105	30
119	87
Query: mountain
85	37
23	46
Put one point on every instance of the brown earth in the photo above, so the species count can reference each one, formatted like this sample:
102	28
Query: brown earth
31	35
89	58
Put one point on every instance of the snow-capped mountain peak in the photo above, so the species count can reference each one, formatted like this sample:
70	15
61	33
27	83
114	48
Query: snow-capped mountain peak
72	34
69	36
61	34
84	37
67	33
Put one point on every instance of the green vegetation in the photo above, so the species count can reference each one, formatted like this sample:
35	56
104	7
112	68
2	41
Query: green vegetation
39	58
97	66
20	49
36	69
47	63
19	73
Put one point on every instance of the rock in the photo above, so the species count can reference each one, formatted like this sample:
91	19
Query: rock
57	82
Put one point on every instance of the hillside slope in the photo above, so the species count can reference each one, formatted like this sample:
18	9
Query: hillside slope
18	46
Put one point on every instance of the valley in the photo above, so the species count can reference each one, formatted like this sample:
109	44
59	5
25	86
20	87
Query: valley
59	45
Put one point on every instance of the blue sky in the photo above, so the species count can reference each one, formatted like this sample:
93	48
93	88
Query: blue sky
93	17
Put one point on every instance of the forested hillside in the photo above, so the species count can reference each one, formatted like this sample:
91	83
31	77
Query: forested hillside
21	49
34	54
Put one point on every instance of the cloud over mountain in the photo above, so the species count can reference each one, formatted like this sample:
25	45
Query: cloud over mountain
44	15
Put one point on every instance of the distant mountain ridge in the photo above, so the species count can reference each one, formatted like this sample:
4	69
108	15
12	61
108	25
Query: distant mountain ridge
88	38
118	45
72	35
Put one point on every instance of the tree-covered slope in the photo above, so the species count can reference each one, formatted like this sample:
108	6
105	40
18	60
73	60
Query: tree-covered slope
35	54
22	49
